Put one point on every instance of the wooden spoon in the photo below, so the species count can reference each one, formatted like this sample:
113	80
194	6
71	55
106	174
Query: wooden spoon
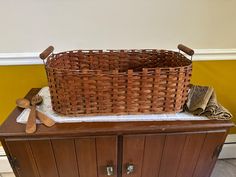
45	119
42	117
31	123
24	103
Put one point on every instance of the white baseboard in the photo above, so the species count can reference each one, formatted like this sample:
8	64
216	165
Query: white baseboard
228	152
5	166
10	59
229	148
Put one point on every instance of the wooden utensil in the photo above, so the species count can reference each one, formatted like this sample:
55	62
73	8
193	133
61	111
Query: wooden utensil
42	117
31	123
24	103
45	119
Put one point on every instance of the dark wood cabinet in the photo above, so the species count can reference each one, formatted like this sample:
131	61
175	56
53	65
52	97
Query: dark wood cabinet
122	149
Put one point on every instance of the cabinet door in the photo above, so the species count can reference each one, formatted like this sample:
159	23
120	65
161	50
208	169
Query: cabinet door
152	155
80	157
171	155
209	154
97	156
21	159
143	154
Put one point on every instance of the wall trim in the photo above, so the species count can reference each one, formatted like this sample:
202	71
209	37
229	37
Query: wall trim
2	152
8	59
214	54
5	166
229	148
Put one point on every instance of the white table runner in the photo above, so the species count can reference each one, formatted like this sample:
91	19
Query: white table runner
46	108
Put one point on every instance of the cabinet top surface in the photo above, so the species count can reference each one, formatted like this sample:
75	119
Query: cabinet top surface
10	128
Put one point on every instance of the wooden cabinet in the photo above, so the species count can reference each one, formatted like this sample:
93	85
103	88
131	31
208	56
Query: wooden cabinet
143	155
124	149
84	157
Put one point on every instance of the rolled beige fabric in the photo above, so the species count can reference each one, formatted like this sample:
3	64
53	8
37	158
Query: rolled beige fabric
202	101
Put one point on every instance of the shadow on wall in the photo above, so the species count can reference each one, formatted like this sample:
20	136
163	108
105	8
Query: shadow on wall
16	81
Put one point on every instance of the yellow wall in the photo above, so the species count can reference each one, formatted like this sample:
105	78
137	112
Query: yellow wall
16	81
222	76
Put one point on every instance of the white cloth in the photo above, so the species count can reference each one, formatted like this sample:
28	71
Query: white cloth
46	108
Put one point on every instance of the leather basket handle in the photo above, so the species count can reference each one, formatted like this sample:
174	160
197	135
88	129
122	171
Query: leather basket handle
186	50
46	52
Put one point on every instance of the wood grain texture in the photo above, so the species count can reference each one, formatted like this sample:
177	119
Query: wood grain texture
31	122
133	149
140	143
46	52
106	154
86	156
207	158
65	155
191	152
154	145
185	49
223	168
171	155
217	151
25	164
44	158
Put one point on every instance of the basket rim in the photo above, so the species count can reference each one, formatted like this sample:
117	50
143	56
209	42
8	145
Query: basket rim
115	71
187	66
116	51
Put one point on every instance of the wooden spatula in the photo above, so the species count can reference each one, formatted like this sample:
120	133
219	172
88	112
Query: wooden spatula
31	123
24	103
45	119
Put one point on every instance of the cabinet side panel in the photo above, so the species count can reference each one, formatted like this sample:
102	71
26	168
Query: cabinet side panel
190	154
65	155
44	157
24	165
152	155
86	156
106	154
208	154
133	149
220	144
173	149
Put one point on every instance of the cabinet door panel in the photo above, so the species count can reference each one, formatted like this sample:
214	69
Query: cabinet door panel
152	155
190	154
95	154
44	157
21	150
86	155
106	155
65	155
171	155
208	154
133	149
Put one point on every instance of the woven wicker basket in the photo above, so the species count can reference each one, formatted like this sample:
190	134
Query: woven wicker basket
114	82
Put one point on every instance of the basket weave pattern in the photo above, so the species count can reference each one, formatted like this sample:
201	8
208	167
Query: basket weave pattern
118	82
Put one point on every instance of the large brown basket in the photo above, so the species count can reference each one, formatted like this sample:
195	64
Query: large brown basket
114	82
